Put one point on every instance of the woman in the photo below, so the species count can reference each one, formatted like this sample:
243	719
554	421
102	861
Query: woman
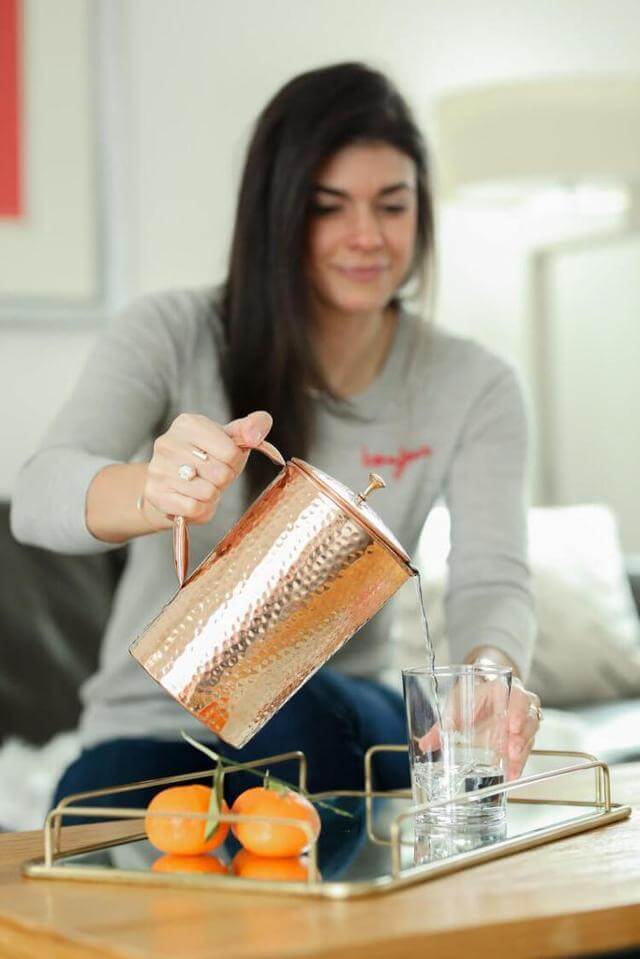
334	218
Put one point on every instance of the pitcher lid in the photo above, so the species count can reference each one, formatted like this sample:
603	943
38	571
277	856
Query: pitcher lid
355	504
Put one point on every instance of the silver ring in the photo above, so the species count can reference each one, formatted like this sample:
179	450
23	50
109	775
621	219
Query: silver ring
200	454
186	471
537	711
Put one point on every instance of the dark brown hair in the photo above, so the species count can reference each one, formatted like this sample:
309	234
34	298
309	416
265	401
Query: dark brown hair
269	363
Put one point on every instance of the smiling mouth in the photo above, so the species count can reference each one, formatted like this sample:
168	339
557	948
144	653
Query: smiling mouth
361	273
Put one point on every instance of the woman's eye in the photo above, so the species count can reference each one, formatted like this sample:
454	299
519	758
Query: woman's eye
393	208
324	210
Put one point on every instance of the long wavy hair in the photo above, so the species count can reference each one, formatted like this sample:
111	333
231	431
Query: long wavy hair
269	362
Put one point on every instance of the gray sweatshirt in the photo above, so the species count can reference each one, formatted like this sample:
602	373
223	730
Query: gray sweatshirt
443	418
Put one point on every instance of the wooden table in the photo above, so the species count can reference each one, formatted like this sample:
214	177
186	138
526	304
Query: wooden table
577	896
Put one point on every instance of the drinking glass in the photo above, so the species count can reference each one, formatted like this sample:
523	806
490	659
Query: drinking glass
458	735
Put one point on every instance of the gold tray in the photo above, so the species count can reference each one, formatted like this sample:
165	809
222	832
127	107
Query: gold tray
393	851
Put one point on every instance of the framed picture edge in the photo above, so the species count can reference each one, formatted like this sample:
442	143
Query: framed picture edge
107	123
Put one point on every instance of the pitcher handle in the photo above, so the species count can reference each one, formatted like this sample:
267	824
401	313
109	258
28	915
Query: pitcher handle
180	529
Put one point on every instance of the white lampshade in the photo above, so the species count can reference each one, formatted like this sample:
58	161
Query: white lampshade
523	135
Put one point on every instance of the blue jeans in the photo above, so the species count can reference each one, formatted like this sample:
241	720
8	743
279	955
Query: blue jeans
333	719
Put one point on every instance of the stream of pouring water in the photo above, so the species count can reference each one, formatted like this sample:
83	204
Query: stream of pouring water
427	639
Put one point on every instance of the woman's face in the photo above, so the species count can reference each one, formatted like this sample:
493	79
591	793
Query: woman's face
362	228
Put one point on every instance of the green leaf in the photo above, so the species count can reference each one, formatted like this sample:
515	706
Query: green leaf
219	783
277	786
203	749
215	804
214	816
273	783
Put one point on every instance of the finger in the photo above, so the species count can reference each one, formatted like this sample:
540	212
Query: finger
518	705
520	746
517	743
520	711
524	724
197	488
175	504
518	759
490	702
192	430
449	713
217	473
431	740
250	430
518	720
163	474
452	719
514	771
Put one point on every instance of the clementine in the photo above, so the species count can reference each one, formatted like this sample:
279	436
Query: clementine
181	833
247	865
271	838
173	863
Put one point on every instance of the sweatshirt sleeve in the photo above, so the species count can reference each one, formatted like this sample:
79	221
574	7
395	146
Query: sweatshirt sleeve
489	599
118	404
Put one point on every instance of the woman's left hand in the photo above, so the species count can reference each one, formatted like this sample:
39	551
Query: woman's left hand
524	717
524	713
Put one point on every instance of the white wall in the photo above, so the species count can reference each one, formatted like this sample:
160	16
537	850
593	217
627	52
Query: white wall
39	368
197	73
595	378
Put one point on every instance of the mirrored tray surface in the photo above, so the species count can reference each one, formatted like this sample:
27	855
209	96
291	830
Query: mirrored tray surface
381	845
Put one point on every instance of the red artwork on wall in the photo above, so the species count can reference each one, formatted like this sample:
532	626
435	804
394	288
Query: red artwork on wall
10	104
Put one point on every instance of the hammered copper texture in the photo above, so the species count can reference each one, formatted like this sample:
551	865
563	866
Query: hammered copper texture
287	586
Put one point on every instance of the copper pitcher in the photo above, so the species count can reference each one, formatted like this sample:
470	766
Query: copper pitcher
302	570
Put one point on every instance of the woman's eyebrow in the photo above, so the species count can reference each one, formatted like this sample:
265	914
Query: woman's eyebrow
392	188
403	185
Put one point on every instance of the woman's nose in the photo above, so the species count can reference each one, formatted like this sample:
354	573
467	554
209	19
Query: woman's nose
365	231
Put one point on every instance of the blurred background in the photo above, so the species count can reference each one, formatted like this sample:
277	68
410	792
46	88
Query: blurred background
123	125
134	116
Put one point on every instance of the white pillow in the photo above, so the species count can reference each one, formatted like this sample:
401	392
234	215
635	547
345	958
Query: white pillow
588	646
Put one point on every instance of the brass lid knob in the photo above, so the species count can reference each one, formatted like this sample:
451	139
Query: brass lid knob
375	482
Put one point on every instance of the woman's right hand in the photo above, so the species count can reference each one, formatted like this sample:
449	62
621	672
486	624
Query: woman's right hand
227	448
